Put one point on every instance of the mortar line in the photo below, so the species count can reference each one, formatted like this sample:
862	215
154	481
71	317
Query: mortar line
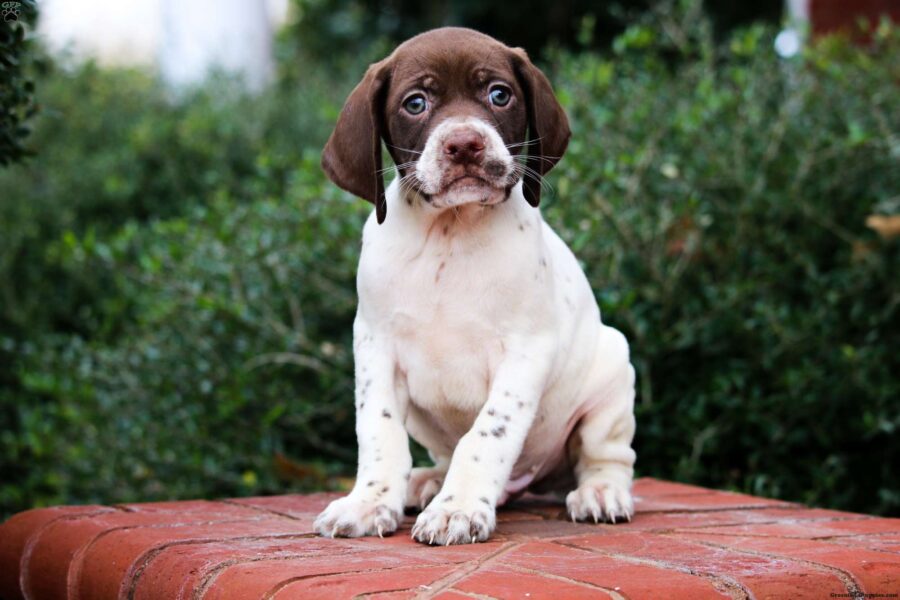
465	569
615	594
723	583
847	578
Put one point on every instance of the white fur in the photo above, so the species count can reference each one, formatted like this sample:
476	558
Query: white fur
478	334
431	167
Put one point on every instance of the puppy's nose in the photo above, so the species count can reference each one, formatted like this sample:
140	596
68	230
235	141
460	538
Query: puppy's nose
464	147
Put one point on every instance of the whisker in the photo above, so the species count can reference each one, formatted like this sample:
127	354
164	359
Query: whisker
407	183
411	151
405	165
525	143
542	157
526	171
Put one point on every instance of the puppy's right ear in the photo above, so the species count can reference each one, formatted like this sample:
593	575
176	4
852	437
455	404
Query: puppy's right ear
352	155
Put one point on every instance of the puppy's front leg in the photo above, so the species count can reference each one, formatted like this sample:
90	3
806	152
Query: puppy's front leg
464	510
375	505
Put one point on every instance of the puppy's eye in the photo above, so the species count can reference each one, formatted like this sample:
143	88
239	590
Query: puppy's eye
500	95
415	104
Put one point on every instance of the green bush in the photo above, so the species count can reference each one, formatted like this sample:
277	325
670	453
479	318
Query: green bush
17	103
238	338
117	153
715	195
719	207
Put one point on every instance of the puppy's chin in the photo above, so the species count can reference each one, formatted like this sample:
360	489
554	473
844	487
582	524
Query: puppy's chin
469	191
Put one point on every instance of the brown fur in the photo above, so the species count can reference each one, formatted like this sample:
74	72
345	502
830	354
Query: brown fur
454	68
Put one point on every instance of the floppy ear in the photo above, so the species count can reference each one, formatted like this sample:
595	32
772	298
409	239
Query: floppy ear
352	155
548	126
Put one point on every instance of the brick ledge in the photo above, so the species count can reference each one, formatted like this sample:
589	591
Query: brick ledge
685	542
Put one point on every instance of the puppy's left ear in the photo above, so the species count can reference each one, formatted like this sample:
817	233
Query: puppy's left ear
548	126
352	155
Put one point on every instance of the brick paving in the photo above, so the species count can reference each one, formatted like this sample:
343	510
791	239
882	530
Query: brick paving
685	542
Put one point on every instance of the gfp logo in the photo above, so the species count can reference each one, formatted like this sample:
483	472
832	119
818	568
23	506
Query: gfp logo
11	11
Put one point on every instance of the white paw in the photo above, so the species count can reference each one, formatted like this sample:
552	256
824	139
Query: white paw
610	502
424	485
449	520
356	517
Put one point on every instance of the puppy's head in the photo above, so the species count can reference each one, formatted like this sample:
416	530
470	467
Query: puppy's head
455	108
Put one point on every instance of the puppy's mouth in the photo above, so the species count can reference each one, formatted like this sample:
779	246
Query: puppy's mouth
492	174
471	188
464	181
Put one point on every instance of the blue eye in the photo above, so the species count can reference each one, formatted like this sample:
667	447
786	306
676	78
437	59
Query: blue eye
415	104
500	95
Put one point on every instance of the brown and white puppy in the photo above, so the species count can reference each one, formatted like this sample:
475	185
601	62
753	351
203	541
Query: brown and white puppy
477	332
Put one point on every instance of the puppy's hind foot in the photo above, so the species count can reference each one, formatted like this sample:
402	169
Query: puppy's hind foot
424	485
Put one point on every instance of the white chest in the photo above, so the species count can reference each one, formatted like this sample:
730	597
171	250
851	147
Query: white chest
450	296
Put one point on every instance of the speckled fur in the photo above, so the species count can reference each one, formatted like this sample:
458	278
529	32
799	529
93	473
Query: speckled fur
478	335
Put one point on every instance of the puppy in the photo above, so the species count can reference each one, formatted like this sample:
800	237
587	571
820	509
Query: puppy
476	332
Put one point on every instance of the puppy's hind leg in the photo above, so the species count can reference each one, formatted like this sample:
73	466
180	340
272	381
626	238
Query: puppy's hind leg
425	483
604	459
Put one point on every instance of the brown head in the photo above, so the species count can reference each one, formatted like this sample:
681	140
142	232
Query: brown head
455	108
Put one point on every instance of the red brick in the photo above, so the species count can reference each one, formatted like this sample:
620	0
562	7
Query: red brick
547	528
176	570
647	487
884	543
108	565
703	502
46	559
688	520
762	576
291	505
876	572
254	579
350	585
402	543
634	580
811	529
19	529
502	582
685	542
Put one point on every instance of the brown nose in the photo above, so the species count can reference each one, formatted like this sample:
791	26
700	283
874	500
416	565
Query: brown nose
464	147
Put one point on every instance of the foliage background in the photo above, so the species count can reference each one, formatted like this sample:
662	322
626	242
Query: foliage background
16	88
176	274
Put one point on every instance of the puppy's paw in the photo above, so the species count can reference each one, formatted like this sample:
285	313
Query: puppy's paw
450	521
601	501
424	485
356	517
